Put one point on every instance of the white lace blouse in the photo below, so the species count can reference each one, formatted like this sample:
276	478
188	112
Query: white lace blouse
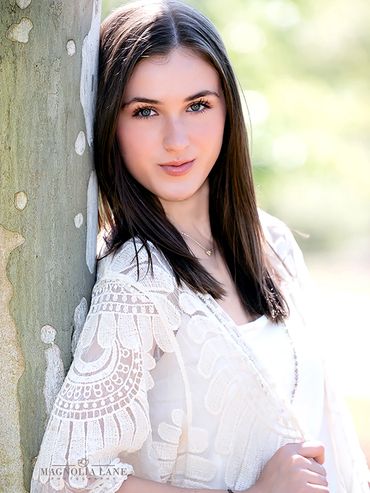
165	384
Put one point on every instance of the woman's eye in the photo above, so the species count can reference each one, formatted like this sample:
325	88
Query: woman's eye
199	106
196	106
143	112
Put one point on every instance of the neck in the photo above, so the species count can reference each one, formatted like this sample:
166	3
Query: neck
191	215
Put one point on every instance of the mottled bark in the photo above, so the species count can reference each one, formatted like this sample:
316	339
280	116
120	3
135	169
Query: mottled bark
48	211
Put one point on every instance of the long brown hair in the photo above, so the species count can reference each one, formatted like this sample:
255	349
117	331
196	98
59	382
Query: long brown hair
128	210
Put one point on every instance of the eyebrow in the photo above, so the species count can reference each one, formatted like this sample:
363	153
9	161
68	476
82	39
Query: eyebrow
199	94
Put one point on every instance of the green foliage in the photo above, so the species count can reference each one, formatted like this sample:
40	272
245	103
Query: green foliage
304	68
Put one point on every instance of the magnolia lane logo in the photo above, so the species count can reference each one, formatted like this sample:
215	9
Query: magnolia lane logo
83	469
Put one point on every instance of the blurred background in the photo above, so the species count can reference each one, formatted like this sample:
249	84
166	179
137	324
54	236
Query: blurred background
304	68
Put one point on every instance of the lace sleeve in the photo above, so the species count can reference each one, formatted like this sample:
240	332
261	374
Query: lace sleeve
101	412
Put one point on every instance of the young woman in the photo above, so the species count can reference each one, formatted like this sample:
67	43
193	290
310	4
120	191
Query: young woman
196	369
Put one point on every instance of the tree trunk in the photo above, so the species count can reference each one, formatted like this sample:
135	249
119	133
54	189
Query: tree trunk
48	211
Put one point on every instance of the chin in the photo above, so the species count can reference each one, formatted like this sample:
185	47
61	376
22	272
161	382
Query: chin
176	197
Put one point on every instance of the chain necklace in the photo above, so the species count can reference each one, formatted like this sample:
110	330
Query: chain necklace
208	251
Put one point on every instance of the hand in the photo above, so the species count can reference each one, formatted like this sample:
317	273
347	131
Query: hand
294	468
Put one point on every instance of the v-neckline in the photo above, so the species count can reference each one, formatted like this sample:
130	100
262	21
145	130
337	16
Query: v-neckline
211	302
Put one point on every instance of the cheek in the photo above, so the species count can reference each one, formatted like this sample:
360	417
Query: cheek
127	138
210	130
135	144
135	147
210	137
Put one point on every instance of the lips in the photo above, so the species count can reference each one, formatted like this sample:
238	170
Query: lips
176	168
176	163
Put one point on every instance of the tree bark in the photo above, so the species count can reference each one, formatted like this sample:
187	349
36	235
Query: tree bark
48	211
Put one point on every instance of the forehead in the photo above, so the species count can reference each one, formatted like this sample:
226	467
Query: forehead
178	74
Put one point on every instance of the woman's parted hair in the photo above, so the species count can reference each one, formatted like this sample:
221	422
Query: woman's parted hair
128	210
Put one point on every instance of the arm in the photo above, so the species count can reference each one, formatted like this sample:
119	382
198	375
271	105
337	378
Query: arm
293	468
137	485
101	412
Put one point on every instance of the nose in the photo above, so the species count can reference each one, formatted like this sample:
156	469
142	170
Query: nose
175	136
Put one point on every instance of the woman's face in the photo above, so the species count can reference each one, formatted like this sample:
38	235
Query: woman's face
173	112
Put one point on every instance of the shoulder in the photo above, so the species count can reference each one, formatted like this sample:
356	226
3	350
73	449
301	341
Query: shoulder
144	268
129	273
282	247
276	232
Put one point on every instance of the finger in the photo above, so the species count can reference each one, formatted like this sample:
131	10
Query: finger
317	488
312	450
314	466
314	478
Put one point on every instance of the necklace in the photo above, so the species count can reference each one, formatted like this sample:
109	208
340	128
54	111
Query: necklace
208	251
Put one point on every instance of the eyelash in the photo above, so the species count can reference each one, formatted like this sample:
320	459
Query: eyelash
203	102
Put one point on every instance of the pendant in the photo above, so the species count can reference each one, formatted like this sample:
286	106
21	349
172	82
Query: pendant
209	252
